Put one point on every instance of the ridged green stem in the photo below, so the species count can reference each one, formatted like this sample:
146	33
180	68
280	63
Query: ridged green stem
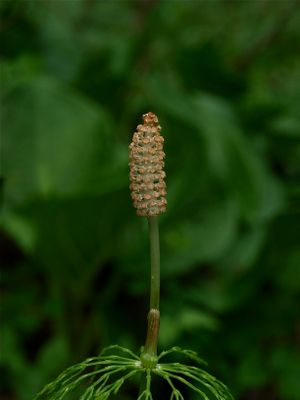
149	354
155	263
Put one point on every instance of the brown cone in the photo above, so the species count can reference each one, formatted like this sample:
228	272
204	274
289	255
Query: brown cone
148	188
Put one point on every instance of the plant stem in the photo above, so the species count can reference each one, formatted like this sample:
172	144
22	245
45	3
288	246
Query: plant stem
149	354
155	262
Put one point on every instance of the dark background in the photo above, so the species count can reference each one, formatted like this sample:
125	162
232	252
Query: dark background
224	79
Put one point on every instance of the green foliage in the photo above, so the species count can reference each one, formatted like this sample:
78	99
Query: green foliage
224	80
103	376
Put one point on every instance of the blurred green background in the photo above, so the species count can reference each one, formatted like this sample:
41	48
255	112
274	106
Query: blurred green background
224	79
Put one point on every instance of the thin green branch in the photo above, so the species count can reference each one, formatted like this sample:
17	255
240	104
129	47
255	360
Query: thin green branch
187	383
115	386
187	353
146	392
217	388
175	392
76	375
121	349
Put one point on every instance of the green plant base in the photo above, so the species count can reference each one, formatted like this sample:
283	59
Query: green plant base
99	378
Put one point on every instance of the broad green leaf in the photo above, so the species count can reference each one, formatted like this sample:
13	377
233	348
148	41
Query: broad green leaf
286	362
245	250
202	239
53	356
253	369
187	321
52	139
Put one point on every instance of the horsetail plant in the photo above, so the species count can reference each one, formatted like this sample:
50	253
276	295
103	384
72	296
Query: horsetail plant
101	377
